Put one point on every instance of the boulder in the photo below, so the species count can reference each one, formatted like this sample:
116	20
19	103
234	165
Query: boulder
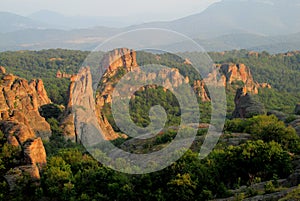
13	176
34	152
16	131
2	70
246	106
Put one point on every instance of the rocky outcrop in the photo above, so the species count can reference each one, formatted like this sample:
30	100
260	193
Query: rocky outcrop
124	60
81	94
34	152
14	175
60	74
20	101
113	61
42	97
199	88
297	109
34	159
121	57
2	70
67	123
230	74
22	124
234	73
246	106
17	133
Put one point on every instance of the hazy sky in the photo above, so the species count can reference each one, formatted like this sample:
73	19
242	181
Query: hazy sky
158	9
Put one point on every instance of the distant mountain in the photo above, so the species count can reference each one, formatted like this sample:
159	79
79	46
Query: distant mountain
261	17
272	44
272	25
79	22
11	22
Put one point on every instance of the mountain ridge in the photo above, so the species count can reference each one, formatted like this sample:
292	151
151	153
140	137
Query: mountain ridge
273	26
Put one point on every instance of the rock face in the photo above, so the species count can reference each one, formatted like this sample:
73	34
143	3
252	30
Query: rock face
81	94
2	70
230	74
67	123
246	106
121	57
297	109
20	101
17	133
60	74
112	62
34	152
22	124
124	60
199	88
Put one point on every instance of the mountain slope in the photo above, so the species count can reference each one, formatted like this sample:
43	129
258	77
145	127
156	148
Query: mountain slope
271	25
271	17
11	22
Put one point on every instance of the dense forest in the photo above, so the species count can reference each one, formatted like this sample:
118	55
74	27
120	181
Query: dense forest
230	170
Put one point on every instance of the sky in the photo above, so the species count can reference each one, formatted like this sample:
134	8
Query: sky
146	9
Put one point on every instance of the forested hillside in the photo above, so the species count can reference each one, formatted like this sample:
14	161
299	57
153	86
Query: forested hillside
256	156
281	71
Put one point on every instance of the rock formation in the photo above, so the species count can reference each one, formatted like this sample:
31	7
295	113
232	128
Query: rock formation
124	60
22	124
34	152
199	88
60	74
230	74
121	57
81	94
20	101
246	106
67	123
2	70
